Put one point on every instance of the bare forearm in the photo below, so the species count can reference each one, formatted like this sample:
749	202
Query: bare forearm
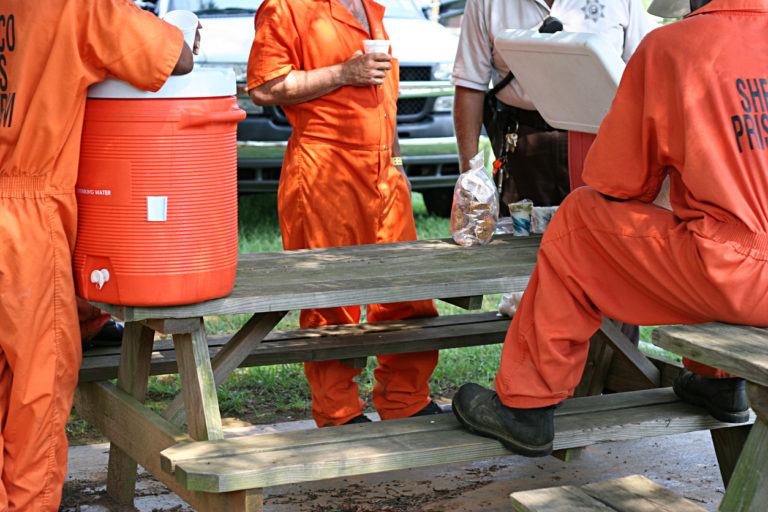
299	86
467	122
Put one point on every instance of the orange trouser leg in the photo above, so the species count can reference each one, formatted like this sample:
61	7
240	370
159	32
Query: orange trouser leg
402	380
593	253
332	196
335	396
39	350
91	319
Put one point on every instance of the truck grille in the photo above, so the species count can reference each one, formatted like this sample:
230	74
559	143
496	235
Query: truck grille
411	106
415	73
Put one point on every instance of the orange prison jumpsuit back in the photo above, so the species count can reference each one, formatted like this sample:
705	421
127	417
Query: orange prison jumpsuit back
692	104
338	187
49	55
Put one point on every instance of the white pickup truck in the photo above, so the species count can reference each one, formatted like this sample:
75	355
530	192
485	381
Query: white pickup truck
426	51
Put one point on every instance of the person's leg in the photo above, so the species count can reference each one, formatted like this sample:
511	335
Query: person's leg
402	387
335	395
40	345
593	253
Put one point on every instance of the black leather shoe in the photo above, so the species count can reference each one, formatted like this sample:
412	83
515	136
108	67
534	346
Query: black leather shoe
431	408
110	335
528	432
725	399
358	419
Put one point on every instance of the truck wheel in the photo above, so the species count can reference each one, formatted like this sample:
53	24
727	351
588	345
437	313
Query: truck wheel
438	201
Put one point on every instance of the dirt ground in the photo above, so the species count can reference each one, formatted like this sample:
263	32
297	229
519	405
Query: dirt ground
685	463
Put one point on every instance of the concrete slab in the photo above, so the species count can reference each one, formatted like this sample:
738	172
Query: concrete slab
685	463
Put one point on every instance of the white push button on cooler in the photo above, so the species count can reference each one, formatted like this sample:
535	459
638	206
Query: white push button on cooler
100	277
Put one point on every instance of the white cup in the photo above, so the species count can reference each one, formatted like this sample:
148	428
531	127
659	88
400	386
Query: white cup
187	22
376	46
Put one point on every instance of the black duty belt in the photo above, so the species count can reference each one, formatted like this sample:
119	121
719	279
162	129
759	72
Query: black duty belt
530	118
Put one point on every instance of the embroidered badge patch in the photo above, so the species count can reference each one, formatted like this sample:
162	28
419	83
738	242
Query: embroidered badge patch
593	10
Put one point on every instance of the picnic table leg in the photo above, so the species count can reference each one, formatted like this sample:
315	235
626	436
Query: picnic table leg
728	443
197	384
133	377
230	356
251	500
747	490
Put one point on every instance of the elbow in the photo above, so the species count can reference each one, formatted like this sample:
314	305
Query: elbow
261	98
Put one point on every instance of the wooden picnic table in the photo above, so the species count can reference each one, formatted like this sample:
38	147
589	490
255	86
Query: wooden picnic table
266	287
743	351
215	474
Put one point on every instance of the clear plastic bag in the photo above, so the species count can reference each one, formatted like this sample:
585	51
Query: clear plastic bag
475	209
509	303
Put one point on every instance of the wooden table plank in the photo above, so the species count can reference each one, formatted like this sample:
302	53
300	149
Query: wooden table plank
738	349
380	273
637	493
275	459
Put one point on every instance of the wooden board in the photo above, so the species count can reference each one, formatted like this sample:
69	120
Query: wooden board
739	349
326	343
634	493
366	274
637	493
288	457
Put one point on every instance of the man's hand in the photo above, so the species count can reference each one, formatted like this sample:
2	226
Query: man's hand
196	45
363	69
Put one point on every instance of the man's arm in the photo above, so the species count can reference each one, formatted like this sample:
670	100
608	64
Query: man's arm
300	86
467	122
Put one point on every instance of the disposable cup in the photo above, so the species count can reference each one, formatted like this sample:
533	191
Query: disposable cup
375	46
187	22
540	217
521	217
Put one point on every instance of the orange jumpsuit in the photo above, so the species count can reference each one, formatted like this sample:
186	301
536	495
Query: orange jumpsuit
338	187
698	113
48	57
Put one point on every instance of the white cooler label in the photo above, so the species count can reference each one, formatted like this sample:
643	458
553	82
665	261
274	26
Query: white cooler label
157	208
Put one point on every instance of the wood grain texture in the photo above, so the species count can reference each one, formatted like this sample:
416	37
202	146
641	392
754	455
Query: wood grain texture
287	457
133	378
738	349
324	343
365	274
748	489
634	493
198	388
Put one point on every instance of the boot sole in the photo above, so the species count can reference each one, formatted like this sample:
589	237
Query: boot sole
509	443
716	412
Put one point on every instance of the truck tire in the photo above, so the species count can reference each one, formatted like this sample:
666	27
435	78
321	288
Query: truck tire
438	201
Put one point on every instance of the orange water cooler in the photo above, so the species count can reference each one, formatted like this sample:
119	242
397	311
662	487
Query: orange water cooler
157	192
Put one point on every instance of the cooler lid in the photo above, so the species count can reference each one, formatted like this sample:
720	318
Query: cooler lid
200	83
571	77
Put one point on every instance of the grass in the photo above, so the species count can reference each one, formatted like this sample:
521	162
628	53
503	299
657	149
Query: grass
278	393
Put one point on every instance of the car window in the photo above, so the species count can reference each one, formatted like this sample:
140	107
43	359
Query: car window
394	8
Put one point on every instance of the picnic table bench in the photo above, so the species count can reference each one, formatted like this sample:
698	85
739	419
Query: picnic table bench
215	473
743	351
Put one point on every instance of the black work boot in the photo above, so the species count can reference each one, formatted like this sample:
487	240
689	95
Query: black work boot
362	418
725	399
429	409
528	432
